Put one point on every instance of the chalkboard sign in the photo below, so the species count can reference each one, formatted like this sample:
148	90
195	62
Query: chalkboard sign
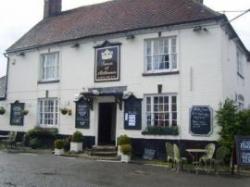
16	114
149	154
132	113
201	120
82	114
243	150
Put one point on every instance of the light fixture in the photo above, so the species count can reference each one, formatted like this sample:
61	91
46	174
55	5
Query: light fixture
130	36
76	45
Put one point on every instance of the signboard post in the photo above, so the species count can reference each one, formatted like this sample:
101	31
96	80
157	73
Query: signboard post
16	114
82	114
201	120
243	150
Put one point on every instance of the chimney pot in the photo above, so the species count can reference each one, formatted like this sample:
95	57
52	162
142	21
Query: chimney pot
52	8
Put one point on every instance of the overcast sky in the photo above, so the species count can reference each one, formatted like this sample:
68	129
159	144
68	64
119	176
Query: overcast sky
18	16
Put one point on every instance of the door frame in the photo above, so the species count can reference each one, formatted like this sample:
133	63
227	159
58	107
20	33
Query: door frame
115	121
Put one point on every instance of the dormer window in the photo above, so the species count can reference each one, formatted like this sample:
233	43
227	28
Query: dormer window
49	67
161	55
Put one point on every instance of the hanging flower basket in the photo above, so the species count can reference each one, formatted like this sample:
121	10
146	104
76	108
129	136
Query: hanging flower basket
25	112
2	111
64	111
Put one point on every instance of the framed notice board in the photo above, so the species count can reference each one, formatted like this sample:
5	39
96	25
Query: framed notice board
16	114
243	150
132	113
82	118
201	120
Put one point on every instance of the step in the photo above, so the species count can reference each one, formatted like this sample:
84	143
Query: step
103	148
103	153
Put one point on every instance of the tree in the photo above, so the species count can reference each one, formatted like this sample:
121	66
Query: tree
227	117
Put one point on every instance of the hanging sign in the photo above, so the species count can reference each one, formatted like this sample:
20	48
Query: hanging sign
82	114
107	63
16	114
132	113
201	120
243	150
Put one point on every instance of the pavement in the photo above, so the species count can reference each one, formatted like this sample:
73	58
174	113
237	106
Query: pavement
46	170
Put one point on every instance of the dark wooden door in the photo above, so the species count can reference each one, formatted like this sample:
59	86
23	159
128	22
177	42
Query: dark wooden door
107	118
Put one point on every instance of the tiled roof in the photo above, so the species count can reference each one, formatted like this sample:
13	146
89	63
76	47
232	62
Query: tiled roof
2	87
112	17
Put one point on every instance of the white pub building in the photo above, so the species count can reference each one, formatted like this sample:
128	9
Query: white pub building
155	70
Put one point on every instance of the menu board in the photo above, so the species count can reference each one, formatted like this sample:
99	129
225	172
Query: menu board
243	150
16	114
82	114
132	113
201	120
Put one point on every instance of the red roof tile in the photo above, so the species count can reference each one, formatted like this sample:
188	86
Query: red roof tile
111	17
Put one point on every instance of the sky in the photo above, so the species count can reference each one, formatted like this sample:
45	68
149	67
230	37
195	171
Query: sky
18	16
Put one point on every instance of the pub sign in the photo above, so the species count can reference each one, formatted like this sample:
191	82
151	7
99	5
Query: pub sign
107	63
82	114
243	150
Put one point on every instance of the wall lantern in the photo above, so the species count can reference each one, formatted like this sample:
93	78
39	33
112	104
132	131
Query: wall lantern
130	36
199	29
21	54
76	45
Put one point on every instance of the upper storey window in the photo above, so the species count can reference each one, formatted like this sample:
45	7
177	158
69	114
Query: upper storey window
161	55
240	63
49	67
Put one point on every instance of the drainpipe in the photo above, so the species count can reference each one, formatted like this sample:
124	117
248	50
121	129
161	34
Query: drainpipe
7	74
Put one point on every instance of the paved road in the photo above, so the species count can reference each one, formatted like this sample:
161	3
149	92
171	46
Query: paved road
31	170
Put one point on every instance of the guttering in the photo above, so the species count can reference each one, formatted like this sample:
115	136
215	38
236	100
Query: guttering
216	18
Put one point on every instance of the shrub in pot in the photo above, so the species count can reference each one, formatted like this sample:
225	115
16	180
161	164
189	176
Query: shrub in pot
126	151
59	147
122	140
76	142
2	111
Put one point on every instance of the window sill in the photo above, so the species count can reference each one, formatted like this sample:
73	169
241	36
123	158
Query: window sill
48	82
161	131
160	73
240	75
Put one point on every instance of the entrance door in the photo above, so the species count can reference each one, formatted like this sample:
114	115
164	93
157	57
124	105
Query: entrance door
107	124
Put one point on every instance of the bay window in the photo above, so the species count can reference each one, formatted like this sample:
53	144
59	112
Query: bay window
48	112
161	110
49	67
161	55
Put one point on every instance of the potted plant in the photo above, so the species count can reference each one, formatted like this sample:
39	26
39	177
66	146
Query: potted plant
76	142
122	140
2	110
59	147
126	150
64	111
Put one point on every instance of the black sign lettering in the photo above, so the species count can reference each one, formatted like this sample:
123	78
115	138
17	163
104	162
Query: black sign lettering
201	120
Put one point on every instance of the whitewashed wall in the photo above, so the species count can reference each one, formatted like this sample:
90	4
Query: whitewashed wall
203	79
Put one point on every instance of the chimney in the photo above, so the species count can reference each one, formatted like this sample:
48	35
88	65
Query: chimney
52	8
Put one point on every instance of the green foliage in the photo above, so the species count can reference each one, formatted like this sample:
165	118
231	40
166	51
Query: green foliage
227	119
232	122
59	144
126	149
44	136
244	122
35	143
2	110
174	131
77	137
123	139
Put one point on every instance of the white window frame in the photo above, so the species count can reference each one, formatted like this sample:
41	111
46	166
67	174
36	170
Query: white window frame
240	63
44	67
152	111
171	52
48	122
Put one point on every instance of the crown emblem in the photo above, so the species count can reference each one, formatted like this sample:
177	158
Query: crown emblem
107	55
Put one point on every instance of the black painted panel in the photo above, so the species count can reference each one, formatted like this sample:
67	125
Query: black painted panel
82	118
16	114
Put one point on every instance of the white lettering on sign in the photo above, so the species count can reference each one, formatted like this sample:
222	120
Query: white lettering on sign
245	145
245	157
132	120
